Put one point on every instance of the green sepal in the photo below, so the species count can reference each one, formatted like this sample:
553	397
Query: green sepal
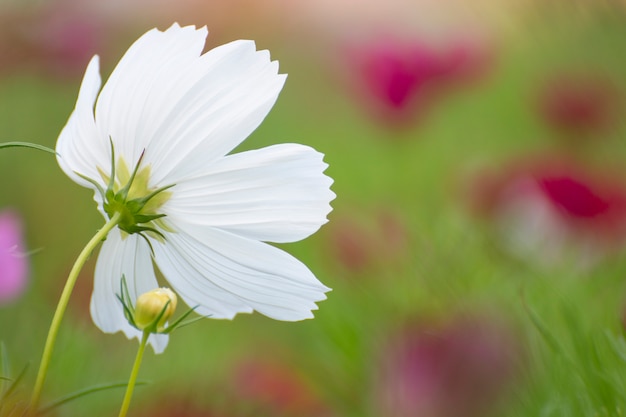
144	200
141	229
152	327
124	191
146	218
94	183
110	195
124	297
144	237
133	206
133	221
178	323
127	312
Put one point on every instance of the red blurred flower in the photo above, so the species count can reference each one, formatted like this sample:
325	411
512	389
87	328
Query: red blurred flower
399	79
460	367
580	105
553	209
13	260
278	389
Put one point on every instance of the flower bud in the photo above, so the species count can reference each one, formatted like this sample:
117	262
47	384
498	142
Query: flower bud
149	307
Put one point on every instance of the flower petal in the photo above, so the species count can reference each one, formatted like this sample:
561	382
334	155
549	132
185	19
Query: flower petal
225	274
80	148
276	194
127	256
237	88
142	88
165	96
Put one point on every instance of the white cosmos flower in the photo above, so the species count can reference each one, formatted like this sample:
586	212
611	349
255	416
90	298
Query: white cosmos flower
174	114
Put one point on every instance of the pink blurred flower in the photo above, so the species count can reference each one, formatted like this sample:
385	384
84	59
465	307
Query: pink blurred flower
460	367
277	389
400	79
67	43
13	261
553	210
49	41
580	105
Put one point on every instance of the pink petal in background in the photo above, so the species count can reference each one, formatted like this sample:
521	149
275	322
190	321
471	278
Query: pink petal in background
13	261
461	366
549	208
400	78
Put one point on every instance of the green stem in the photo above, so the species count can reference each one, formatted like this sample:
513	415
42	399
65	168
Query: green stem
133	375
62	305
26	145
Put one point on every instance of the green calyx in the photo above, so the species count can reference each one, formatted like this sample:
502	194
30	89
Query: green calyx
129	195
136	203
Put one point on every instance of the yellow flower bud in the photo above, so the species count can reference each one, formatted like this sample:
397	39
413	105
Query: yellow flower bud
150	305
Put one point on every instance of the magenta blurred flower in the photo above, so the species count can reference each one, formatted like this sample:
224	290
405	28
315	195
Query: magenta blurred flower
67	43
460	367
399	79
580	105
48	40
553	210
277	389
13	261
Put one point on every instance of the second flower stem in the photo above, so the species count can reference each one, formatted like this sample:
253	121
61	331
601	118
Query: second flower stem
62	305
133	375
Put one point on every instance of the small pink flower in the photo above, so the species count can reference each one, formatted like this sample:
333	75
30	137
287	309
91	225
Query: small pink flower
400	79
552	209
580	105
462	366
13	261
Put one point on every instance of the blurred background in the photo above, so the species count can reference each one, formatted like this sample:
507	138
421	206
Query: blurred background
476	246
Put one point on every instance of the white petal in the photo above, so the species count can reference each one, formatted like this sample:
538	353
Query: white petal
276	194
185	109
235	89
140	91
225	274
130	257
80	148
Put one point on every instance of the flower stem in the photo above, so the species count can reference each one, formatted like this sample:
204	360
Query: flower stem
62	305
133	374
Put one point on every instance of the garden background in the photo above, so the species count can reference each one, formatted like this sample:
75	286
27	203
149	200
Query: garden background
476	246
